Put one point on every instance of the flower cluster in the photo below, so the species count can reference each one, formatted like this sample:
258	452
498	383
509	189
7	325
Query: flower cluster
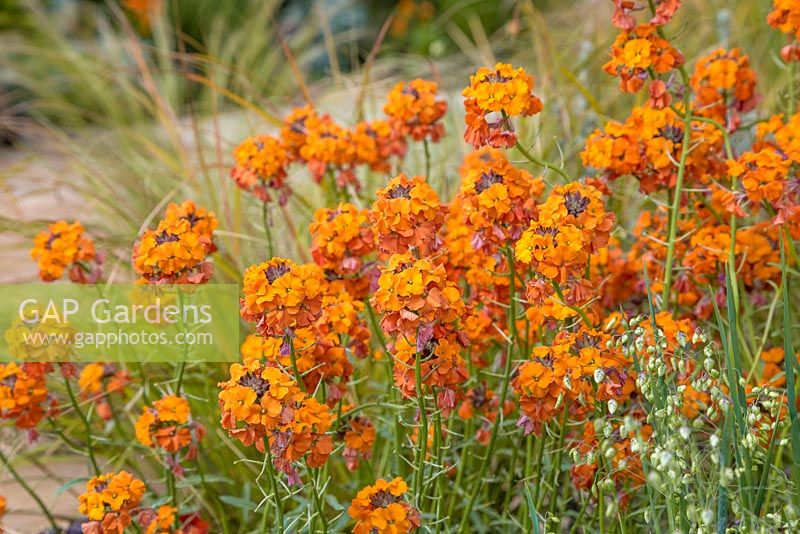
109	501
358	434
483	403
176	251
263	404
261	166
281	296
381	508
24	398
724	86
415	109
492	98
65	247
636	52
785	16
407	213
98	381
167	426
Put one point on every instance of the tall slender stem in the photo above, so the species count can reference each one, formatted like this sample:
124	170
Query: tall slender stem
676	201
86	424
422	434
512	334
427	148
21	481
541	163
267	229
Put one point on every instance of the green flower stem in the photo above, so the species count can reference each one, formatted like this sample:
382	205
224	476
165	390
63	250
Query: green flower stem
293	357
21	481
422	436
86	424
576	309
541	163
273	480
676	201
512	331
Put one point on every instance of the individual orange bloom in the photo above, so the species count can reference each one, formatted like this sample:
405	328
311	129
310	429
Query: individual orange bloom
65	247
763	174
97	381
176	251
412	293
492	98
415	109
376	142
295	130
582	206
556	252
281	296
407	214
381	508
261	167
637	51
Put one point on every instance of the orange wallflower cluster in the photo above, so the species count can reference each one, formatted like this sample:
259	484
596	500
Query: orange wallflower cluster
65	247
177	250
499	200
168	426
109	501
724	85
376	143
382	509
358	434
491	99
648	145
442	368
342	241
261	403
260	166
281	296
24	398
412	293
636	52
561	377
785	16
407	214
415	109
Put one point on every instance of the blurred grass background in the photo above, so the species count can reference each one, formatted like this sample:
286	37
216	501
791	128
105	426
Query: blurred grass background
141	102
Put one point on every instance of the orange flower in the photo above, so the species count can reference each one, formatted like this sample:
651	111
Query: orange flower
110	498
785	16
638	50
415	292
407	214
724	86
359	438
381	508
176	251
328	149
261	166
65	247
167	424
492	98
498	199
23	394
376	142
484	403
623	17
281	296
342	239
414	109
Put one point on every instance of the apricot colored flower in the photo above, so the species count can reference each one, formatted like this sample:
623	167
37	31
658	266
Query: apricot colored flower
65	247
414	109
359	439
381	508
341	239
176	251
724	86
261	167
412	293
637	51
624	12
376	143
407	214
281	296
785	16
492	98
110	498
167	426
24	398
